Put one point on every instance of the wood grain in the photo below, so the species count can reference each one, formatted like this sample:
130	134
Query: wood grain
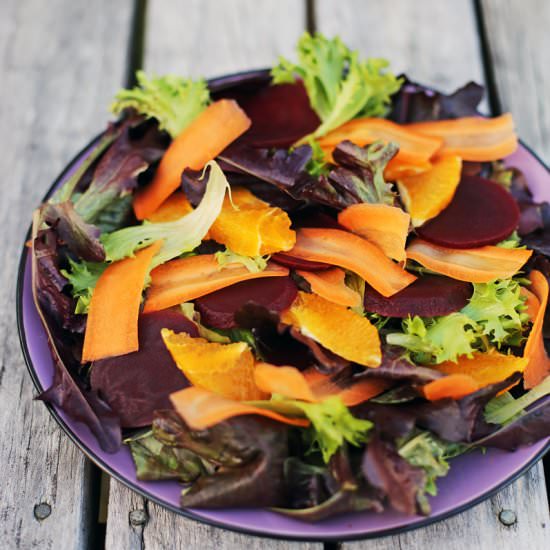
436	42
60	63
519	42
208	38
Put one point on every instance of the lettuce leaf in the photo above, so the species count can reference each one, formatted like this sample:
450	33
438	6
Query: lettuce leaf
179	236
438	339
254	264
172	100
340	86
83	277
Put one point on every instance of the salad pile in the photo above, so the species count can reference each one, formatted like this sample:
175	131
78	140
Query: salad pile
307	291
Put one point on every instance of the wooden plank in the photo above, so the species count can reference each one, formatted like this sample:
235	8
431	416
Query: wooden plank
436	42
518	40
203	37
60	62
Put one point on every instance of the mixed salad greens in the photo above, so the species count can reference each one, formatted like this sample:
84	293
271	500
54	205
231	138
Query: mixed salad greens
307	291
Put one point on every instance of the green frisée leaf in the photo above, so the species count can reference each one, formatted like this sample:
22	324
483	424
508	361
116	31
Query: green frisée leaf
438	339
180	236
83	276
340	86
254	264
499	308
174	101
513	241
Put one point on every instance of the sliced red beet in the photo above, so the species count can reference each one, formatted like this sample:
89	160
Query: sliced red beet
280	115
482	212
136	384
428	296
298	263
218	309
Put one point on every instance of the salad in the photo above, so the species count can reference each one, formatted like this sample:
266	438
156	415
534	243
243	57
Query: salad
308	291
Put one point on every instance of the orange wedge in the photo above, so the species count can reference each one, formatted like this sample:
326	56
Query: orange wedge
426	194
225	369
173	208
251	227
335	327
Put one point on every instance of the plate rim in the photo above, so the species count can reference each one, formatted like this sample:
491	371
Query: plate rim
220	82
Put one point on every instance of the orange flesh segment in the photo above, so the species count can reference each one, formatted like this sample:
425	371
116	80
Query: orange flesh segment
330	284
201	409
414	147
335	327
207	136
538	367
485	368
474	265
427	194
254	228
453	386
225	369
396	169
473	138
385	226
173	208
351	252
112	324
185	279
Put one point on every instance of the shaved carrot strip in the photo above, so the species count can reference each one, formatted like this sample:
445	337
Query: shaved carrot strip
396	169
314	386
532	303
343	249
385	226
538	367
209	134
185	279
453	386
414	147
173	208
201	409
330	284
112	324
473	138
474	265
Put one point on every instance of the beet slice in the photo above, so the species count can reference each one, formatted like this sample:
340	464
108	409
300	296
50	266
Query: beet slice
218	308
428	296
136	384
482	212
298	263
280	115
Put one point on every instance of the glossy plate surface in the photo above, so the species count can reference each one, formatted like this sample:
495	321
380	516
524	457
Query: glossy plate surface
471	479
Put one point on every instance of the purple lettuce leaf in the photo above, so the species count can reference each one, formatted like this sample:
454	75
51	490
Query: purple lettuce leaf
416	103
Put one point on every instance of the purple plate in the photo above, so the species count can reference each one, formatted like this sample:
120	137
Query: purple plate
472	478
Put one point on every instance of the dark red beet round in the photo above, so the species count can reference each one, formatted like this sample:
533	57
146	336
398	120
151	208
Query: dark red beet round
298	263
428	296
136	384
482	212
280	115
218	309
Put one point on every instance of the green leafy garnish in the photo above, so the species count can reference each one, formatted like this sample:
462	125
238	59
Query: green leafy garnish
174	101
340	86
83	277
180	236
254	264
317	166
513	241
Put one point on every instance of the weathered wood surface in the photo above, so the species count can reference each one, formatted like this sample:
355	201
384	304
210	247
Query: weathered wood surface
60	62
208	38
519	42
436	42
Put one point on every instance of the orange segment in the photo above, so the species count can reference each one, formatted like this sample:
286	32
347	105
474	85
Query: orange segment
426	194
331	285
253	228
338	329
485	368
385	226
225	369
173	208
396	169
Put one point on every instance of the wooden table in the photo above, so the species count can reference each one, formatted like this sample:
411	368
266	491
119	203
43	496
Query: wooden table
60	63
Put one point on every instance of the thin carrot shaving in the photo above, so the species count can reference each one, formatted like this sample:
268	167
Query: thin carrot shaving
202	409
538	367
112	324
474	265
453	386
331	285
532	303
